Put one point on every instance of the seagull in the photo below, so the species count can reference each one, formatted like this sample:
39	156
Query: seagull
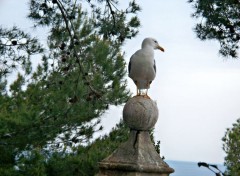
142	67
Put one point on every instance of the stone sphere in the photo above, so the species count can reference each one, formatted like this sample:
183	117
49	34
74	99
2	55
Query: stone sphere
140	113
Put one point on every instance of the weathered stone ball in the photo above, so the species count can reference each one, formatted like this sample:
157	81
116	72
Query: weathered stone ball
140	113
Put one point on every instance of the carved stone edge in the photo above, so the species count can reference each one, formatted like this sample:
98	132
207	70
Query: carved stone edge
135	167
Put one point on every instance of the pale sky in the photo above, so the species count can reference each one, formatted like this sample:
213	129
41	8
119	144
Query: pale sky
197	91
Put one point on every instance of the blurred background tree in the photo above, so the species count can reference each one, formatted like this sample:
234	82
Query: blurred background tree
51	112
232	148
219	20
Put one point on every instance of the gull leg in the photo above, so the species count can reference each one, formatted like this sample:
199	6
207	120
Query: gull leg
146	96
138	91
136	88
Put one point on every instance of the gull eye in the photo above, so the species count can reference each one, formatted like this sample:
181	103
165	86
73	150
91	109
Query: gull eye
155	41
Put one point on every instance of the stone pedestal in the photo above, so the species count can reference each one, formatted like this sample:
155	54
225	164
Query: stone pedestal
137	156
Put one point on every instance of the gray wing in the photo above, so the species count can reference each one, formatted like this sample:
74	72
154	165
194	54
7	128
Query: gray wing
129	66
155	69
154	66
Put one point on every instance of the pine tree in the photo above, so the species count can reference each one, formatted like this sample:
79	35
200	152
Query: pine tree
58	105
232	148
219	20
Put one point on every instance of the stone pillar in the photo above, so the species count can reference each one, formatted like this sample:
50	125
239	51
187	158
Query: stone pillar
137	156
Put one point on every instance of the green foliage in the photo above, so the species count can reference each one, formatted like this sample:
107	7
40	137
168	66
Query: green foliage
232	148
49	110
16	49
155	143
109	21
219	20
32	164
83	161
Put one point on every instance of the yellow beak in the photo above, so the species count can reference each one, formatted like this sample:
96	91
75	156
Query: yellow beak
160	48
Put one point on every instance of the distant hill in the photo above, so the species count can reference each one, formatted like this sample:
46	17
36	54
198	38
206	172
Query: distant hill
183	168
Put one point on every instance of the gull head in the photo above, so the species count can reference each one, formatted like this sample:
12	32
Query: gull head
151	42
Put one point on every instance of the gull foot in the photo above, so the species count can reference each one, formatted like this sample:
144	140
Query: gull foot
146	96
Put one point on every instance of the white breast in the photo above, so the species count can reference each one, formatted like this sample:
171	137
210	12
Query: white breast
142	67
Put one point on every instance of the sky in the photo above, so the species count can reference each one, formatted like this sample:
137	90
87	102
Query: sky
197	91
